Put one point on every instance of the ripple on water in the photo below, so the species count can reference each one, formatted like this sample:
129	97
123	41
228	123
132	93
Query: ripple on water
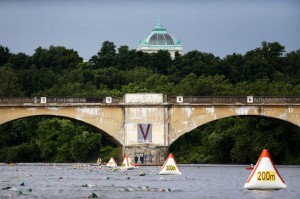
197	181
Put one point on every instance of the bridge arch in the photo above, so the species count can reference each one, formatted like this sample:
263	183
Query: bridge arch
238	139
98	130
109	119
168	116
183	119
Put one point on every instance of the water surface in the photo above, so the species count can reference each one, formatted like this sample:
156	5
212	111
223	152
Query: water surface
79	181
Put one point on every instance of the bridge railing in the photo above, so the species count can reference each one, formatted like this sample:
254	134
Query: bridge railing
206	99
233	100
168	99
7	100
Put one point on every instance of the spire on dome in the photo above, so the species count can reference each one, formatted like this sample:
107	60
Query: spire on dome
159	27
158	21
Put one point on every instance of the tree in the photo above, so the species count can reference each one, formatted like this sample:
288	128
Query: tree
84	146
161	62
235	66
56	58
105	57
110	77
264	62
153	84
61	140
136	75
291	67
198	63
124	60
213	85
187	85
9	85
19	61
108	49
272	51
4	55
123	50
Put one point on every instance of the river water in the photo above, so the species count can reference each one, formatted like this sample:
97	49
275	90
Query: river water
80	181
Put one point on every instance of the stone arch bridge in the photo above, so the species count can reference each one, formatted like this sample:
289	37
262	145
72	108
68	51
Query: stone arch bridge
145	125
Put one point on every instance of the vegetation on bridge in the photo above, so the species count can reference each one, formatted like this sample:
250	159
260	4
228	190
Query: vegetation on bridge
58	71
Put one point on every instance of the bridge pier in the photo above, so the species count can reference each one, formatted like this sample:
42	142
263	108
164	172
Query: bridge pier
147	154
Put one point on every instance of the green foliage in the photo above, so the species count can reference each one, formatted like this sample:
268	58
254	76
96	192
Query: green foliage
25	152
292	67
61	141
4	55
19	61
107	152
56	58
84	145
239	140
9	85
137	75
58	71
105	56
205	86
50	140
155	83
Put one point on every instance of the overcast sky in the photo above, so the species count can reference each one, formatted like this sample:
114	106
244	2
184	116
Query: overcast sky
213	26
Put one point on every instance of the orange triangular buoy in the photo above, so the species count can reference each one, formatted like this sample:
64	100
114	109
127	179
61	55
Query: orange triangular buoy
127	164
265	175
170	167
111	163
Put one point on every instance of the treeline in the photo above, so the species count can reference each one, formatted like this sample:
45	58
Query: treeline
57	71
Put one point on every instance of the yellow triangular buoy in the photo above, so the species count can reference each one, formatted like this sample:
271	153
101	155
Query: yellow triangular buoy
170	167
111	163
265	175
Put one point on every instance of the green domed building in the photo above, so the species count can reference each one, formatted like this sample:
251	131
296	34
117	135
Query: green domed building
160	39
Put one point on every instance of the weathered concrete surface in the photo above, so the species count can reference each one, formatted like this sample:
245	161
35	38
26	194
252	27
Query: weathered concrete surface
143	98
168	119
149	154
184	118
145	115
109	119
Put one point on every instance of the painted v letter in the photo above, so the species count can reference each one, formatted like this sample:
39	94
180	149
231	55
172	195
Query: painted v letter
145	135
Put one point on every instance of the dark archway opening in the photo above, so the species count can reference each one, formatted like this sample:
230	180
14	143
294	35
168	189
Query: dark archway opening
54	139
239	140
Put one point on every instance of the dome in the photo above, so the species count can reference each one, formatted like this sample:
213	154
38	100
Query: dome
160	39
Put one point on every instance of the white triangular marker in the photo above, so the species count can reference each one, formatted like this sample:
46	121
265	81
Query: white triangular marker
127	164
265	175
170	167
111	163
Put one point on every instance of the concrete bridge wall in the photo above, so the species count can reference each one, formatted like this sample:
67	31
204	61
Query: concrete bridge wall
147	124
109	119
184	118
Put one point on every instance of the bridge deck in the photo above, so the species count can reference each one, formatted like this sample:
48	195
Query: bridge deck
210	100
